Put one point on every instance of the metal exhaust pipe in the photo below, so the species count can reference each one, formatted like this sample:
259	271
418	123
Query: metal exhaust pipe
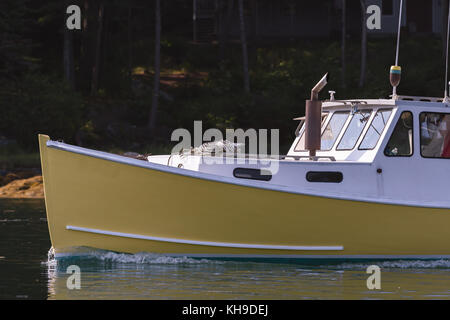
313	118
318	87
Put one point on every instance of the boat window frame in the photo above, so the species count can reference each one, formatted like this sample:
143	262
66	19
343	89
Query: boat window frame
382	131
374	109
339	135
371	111
401	112
420	133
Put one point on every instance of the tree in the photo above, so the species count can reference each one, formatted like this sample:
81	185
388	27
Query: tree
224	28
152	119
68	62
362	76
14	44
87	45
98	43
244	47
129	40
343	43
445	4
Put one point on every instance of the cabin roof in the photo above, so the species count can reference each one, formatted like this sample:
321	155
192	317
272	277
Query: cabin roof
400	101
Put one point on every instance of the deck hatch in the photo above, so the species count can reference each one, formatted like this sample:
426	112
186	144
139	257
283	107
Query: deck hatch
324	176
254	174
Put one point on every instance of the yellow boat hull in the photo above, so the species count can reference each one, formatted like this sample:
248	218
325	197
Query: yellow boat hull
98	203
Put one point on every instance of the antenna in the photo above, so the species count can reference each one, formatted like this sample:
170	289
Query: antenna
398	32
446	99
396	70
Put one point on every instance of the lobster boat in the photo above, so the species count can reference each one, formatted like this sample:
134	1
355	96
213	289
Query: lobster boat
363	178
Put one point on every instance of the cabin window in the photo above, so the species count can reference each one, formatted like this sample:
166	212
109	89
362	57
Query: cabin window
324	176
375	129
254	174
434	135
354	129
401	141
333	129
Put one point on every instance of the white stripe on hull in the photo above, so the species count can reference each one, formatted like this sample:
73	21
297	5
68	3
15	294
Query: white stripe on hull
206	243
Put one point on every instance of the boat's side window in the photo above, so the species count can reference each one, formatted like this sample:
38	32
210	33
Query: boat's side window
333	129
375	130
254	174
354	129
324	176
434	135
401	140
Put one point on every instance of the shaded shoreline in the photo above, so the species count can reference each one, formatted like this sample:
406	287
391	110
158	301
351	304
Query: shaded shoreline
29	188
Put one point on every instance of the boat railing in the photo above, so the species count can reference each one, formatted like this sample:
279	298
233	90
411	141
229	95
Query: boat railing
258	156
419	98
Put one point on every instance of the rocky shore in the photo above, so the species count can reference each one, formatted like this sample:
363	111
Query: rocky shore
25	185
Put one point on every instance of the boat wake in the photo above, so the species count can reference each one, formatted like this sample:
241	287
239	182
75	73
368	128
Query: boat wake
144	258
109	257
97	256
399	264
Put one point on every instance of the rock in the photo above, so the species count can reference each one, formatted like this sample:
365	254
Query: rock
16	175
23	188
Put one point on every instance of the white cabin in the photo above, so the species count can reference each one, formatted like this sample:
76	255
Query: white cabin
378	150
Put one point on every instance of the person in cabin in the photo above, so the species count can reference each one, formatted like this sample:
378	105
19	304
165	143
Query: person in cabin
445	132
435	135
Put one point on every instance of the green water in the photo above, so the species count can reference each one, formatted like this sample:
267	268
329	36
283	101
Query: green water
27	273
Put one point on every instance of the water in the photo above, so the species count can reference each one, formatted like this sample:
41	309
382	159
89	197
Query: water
26	272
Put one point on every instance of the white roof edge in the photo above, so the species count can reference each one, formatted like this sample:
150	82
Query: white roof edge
404	101
361	102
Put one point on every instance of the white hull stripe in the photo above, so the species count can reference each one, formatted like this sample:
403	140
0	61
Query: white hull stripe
205	243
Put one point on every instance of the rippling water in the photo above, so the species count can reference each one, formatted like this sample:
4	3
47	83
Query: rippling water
26	272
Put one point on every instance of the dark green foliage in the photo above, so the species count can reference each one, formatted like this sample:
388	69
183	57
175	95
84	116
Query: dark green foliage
39	104
14	45
194	85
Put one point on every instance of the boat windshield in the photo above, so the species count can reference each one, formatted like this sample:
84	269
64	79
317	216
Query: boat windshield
375	130
357	125
333	129
354	129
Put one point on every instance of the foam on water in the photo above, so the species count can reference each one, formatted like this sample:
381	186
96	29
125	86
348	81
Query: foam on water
400	264
124	258
144	258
